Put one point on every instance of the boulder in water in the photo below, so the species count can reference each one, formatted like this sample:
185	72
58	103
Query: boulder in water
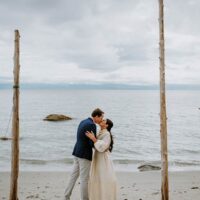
57	117
148	167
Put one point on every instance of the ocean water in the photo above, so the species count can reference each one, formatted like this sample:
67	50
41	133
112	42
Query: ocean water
48	145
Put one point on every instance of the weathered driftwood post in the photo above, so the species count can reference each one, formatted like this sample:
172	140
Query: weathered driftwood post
163	115
15	124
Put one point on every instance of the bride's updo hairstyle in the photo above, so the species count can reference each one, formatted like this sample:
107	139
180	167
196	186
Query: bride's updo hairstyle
110	125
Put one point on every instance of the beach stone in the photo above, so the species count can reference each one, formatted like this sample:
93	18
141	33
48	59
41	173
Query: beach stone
148	167
193	188
57	117
5	138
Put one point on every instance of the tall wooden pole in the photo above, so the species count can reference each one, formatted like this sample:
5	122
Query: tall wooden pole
15	124
163	115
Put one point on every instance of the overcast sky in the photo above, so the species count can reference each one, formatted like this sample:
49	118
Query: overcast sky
100	41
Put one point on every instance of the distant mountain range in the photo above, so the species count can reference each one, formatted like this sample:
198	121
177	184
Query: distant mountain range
104	86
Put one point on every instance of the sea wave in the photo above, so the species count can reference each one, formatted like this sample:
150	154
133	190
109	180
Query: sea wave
69	161
185	163
44	162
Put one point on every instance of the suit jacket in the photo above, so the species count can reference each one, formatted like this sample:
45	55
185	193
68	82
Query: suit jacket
83	146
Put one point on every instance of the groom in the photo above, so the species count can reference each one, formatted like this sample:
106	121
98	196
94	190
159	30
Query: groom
83	155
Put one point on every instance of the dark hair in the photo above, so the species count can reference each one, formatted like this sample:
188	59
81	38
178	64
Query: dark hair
97	112
110	125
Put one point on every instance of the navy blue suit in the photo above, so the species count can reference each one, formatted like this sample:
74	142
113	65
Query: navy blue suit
83	146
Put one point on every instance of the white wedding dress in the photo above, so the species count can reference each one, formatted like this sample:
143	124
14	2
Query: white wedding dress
102	181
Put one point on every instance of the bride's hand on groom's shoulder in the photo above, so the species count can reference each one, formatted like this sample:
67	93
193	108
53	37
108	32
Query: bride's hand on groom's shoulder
91	136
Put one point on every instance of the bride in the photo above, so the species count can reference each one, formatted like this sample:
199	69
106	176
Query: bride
102	181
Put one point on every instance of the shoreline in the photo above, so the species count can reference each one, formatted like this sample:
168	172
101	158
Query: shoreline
117	171
131	185
118	168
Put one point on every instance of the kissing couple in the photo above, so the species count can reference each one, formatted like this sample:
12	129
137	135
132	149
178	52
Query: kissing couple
92	161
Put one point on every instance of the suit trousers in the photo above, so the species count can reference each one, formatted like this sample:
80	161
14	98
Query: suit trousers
81	168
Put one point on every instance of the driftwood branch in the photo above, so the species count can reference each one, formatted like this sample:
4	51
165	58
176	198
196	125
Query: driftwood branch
163	115
15	123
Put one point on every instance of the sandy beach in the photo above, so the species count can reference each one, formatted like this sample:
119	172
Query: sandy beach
132	185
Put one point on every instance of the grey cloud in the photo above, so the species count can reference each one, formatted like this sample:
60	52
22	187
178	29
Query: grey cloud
49	12
132	53
5	79
98	35
181	16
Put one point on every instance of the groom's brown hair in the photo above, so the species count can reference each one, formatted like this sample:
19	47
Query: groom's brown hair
97	112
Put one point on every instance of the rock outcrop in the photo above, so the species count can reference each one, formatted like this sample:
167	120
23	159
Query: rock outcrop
148	167
57	117
5	138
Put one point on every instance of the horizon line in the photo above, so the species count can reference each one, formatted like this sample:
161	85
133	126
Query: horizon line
100	86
